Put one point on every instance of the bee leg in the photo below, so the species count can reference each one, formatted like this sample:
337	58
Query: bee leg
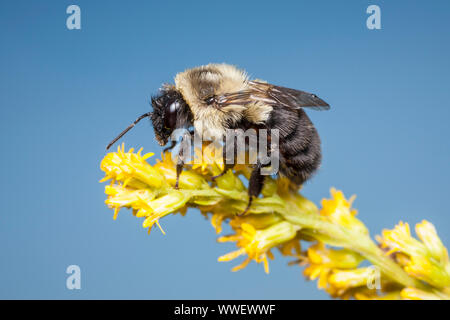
180	160
172	145
180	165
226	164
255	186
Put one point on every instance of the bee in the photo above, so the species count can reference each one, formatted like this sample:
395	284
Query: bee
217	97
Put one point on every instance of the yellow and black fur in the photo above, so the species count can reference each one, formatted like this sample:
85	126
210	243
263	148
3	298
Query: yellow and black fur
217	97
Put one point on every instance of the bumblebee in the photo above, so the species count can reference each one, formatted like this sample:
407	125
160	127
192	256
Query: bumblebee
217	97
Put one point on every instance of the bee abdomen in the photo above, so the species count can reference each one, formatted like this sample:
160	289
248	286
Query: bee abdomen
301	166
300	153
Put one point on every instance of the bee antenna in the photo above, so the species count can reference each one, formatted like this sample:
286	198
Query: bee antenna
148	114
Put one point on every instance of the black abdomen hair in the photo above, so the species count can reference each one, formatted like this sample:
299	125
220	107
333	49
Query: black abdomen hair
300	153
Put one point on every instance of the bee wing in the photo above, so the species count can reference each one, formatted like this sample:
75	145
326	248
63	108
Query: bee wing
272	95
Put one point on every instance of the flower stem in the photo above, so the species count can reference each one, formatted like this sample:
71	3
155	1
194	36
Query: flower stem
362	243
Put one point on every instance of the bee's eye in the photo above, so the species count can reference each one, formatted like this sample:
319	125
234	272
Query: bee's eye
170	117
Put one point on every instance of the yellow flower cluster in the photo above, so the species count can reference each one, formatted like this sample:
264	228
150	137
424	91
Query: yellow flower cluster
426	260
401	267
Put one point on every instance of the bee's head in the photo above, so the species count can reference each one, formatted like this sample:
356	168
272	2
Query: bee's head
170	112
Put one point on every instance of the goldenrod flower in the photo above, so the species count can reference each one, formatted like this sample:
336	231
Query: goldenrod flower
343	280
322	262
339	210
426	260
417	294
188	180
373	295
399	239
319	254
407	268
131	168
148	189
427	233
428	270
257	243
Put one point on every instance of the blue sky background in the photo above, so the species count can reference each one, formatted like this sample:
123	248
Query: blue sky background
64	94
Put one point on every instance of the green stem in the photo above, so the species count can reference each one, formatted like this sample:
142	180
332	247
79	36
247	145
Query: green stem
348	239
309	218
